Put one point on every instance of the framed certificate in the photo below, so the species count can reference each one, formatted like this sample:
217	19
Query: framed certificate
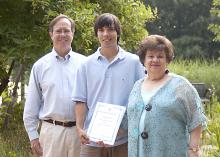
105	122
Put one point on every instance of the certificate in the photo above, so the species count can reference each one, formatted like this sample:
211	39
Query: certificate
105	122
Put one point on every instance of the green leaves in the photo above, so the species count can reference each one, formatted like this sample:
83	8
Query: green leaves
215	27
24	26
183	21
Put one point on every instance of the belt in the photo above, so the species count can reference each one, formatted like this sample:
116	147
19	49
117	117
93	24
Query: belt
64	124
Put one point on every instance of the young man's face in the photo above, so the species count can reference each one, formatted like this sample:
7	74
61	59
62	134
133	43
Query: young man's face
107	37
62	36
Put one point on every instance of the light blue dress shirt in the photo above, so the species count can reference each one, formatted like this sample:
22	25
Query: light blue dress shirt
99	80
49	91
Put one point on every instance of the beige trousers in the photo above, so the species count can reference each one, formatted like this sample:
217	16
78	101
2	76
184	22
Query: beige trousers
59	141
117	151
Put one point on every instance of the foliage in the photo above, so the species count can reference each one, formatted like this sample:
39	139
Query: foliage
24	31
211	135
20	30
215	27
21	34
3	108
15	116
24	28
132	15
199	71
185	22
14	141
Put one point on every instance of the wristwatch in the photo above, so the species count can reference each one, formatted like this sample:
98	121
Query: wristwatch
194	148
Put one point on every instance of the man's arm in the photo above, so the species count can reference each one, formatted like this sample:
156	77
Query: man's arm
80	112
31	112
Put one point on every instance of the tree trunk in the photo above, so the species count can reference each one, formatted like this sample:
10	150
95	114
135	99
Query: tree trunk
13	96
5	80
22	87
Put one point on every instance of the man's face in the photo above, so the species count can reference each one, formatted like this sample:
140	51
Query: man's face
62	36
107	37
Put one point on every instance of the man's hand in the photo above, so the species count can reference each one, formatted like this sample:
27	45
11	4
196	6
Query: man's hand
84	139
36	148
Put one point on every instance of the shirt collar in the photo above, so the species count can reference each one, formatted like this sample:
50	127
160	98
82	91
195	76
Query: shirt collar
67	57
120	55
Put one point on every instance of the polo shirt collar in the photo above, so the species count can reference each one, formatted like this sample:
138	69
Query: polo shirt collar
120	55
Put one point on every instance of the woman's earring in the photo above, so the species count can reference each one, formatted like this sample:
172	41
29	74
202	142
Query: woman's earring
166	71
145	71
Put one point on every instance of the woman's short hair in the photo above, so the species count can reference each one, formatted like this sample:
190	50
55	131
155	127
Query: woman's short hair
156	43
56	19
108	20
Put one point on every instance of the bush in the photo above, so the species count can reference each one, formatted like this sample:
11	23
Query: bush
199	71
14	141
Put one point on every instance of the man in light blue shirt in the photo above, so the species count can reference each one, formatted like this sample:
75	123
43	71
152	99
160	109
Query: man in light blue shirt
49	95
107	76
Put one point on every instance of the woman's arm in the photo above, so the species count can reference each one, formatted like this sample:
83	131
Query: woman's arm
193	149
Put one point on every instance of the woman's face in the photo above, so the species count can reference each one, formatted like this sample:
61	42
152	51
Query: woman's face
155	61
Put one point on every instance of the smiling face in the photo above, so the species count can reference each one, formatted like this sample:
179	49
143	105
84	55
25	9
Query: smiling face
155	61
107	26
62	36
107	37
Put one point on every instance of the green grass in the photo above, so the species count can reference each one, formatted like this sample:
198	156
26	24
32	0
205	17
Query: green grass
14	142
211	136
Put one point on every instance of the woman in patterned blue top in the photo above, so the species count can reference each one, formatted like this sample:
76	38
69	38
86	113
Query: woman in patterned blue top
165	115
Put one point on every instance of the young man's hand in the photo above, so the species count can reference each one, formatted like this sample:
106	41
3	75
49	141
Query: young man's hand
84	139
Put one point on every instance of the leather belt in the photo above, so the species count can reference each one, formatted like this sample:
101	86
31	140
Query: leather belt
64	124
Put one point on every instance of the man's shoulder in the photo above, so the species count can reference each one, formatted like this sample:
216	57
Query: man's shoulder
78	55
77	58
91	58
132	58
129	55
44	59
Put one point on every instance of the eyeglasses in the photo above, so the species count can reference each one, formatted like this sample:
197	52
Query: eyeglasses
60	31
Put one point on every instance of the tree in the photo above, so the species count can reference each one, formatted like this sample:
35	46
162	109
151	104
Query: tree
19	45
215	27
132	15
24	33
185	22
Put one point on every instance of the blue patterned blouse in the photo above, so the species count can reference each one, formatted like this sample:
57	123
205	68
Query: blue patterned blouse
173	112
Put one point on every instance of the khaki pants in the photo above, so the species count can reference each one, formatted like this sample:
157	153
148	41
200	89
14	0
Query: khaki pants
59	141
117	151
